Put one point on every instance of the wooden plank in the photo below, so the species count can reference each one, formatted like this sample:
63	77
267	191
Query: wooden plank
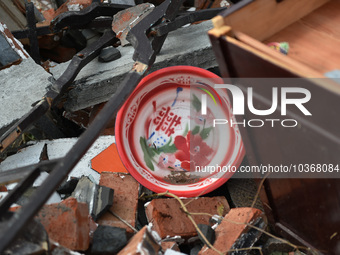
275	57
315	39
263	18
325	19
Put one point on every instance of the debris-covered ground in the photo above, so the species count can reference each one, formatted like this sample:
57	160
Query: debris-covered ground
99	208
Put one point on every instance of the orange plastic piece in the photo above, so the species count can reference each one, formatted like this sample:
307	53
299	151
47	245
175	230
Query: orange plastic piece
108	161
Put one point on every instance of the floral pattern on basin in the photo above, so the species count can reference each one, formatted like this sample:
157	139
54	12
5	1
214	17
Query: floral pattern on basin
163	137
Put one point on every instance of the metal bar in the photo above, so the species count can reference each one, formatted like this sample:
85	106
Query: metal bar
32	33
81	59
18	191
15	131
21	34
82	18
184	19
58	89
60	172
15	175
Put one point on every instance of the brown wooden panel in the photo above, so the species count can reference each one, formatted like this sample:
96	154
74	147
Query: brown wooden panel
304	210
315	39
263	18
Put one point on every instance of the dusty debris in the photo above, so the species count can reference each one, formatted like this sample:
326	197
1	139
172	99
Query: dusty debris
169	220
98	198
67	223
125	200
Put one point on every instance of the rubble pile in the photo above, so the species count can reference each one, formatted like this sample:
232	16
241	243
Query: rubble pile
114	214
100	208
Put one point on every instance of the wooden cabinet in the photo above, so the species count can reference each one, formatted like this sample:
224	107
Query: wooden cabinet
306	211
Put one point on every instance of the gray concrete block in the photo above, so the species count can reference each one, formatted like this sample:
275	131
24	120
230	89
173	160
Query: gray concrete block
21	86
58	149
98	81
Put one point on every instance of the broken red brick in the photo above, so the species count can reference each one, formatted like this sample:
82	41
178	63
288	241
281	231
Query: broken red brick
168	219
67	223
170	245
125	200
93	226
141	243
231	228
49	14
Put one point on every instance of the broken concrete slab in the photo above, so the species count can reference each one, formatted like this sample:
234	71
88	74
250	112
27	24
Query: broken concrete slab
233	232
125	200
97	81
169	220
58	149
98	198
11	50
21	86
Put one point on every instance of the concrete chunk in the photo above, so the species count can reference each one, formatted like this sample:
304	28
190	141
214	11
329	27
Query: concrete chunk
98	198
58	149
21	86
98	81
